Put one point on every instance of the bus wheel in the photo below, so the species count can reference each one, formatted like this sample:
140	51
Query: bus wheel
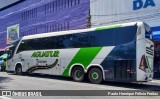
78	74
95	76
18	70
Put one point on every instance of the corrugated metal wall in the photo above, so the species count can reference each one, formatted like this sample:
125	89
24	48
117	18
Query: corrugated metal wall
105	12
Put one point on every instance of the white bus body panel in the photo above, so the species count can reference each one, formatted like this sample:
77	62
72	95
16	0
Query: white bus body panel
142	43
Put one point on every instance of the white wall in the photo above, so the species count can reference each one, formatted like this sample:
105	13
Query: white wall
4	3
105	12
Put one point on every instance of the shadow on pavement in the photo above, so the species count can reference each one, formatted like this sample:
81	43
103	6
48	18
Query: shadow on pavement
45	76
134	85
4	80
137	86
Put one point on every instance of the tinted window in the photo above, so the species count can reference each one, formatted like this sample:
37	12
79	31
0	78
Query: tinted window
108	37
93	39
10	52
22	47
124	35
103	38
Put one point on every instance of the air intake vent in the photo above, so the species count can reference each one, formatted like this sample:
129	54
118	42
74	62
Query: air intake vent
124	69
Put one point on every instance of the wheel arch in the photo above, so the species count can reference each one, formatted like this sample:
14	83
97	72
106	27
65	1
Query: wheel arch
17	64
76	65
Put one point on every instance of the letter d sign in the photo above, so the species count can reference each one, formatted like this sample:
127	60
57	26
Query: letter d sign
138	4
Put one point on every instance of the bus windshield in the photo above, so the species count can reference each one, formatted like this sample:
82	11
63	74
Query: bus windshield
10	50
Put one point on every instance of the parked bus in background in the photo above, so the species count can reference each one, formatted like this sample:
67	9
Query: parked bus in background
1	52
112	53
3	59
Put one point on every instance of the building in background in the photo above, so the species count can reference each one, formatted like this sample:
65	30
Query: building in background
19	18
105	12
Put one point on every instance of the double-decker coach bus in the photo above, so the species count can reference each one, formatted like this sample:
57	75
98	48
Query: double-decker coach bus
119	52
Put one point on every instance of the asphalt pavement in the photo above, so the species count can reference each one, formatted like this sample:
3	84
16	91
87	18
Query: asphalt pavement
48	82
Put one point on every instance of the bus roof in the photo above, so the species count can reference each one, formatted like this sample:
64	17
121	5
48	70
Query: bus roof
77	31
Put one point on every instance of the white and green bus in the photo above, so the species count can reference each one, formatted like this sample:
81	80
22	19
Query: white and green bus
119	52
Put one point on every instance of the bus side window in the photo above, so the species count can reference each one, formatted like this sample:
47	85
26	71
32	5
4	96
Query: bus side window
102	38
80	40
35	44
124	35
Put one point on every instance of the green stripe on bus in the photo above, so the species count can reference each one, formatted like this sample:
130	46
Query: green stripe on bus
108	27
84	57
148	63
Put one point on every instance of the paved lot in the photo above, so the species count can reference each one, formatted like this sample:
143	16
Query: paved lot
44	82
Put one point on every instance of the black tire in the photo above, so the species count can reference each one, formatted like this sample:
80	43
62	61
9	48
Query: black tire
78	74
18	70
95	75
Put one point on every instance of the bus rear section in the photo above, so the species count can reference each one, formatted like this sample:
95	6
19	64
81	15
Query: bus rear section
145	54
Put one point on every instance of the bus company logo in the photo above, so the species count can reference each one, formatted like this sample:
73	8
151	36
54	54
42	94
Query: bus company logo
45	54
139	4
